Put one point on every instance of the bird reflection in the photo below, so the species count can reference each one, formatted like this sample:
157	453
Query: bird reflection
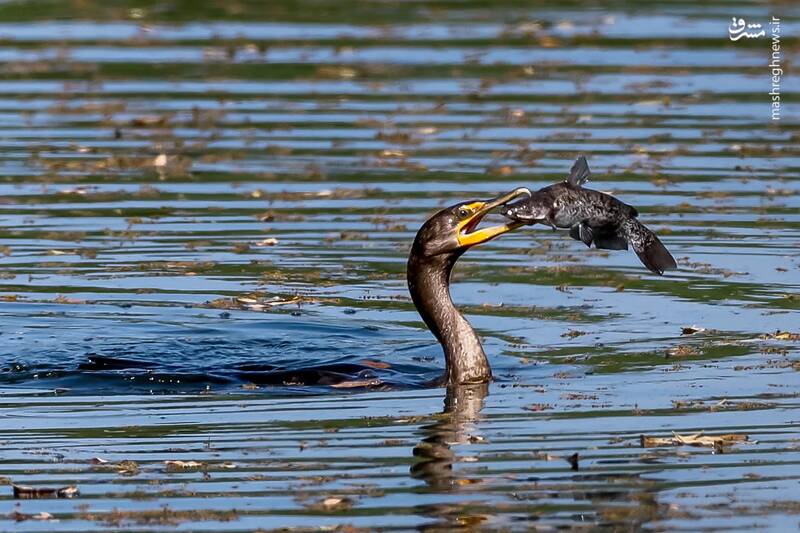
613	495
456	425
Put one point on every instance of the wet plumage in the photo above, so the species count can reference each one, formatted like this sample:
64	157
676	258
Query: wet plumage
592	217
439	243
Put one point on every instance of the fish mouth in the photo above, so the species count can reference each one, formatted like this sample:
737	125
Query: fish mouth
516	212
468	232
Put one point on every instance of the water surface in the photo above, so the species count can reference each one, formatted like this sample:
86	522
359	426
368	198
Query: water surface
210	193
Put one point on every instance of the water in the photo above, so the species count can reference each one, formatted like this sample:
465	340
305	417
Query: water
147	152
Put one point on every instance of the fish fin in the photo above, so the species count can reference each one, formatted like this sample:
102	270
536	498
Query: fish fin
582	232
657	258
610	241
652	253
579	174
574	232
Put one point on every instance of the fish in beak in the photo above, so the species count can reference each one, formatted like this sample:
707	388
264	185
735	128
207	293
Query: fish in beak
471	215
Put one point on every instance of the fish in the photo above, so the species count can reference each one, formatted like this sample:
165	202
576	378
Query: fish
592	217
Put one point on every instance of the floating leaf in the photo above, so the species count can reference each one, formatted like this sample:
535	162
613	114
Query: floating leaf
127	468
357	383
538	407
695	439
691	330
183	465
334	503
61	299
684	350
22	492
698	439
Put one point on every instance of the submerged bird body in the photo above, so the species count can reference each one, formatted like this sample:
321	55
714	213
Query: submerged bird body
592	217
439	243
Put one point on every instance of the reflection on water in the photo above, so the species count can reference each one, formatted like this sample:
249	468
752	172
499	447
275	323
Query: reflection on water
213	203
457	425
627	498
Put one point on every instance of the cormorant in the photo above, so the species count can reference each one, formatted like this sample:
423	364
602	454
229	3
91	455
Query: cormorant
439	243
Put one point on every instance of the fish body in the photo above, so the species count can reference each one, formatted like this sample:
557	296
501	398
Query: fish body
592	217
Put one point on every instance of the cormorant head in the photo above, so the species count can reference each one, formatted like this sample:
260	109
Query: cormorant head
454	230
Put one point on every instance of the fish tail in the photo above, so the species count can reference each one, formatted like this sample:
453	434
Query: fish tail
652	253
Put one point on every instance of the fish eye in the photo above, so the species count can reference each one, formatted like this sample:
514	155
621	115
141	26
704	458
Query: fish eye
463	212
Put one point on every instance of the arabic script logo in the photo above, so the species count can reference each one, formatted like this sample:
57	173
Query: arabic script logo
738	29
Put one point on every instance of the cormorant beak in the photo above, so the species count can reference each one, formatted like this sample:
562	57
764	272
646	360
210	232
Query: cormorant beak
467	233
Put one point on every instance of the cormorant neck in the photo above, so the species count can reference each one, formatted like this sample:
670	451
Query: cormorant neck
429	285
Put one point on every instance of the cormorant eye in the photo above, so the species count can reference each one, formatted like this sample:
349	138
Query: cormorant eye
463	212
